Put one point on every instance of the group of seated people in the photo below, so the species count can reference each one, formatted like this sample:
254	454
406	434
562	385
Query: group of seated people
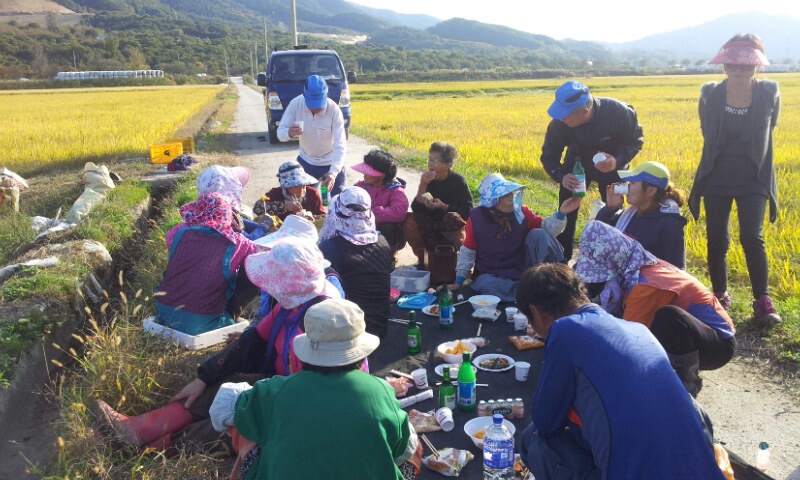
299	272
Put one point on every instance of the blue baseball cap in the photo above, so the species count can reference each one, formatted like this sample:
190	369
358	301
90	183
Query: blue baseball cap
569	96
315	92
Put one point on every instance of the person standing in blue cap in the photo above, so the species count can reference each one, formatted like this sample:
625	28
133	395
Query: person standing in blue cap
317	122
586	126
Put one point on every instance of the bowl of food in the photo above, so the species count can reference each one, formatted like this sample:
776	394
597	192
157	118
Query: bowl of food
476	429
452	352
484	302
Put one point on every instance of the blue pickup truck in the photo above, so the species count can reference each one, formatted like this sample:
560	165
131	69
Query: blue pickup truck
286	74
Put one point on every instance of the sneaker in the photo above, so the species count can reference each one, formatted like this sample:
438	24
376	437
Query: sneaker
765	312
724	300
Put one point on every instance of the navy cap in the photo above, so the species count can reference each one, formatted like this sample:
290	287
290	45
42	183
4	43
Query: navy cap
569	96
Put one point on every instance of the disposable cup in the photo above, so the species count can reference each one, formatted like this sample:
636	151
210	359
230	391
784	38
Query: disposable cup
510	312
521	371
300	124
598	157
444	416
520	322
420	376
621	188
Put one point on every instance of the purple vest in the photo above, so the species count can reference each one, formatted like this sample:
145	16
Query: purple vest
504	258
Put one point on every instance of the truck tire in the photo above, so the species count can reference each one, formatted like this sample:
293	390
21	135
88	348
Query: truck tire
273	136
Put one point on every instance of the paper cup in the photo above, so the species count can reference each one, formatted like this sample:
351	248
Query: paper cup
420	376
510	312
444	416
300	124
598	157
521	370
520	322
621	188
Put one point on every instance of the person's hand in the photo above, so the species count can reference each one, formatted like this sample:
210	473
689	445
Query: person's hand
607	165
295	131
453	286
570	205
570	182
292	205
438	204
190	392
232	337
427	177
613	199
327	180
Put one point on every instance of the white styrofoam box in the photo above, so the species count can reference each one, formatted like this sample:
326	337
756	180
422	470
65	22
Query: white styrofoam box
407	280
192	342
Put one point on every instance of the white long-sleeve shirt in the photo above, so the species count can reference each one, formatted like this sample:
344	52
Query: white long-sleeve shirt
323	142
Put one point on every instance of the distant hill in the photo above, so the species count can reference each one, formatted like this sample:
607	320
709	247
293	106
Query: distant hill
419	21
16	7
781	36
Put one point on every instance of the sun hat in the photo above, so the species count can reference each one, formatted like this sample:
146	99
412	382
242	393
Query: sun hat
493	186
367	170
335	335
653	173
569	96
291	271
294	226
739	52
226	181
315	92
291	174
350	216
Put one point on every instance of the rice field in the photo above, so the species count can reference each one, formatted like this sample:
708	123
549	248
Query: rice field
499	126
47	127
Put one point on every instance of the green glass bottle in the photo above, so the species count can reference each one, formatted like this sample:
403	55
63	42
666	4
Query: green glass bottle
413	334
445	309
447	391
580	174
323	192
466	385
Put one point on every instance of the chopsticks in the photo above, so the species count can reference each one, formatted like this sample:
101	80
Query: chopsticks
430	445
479	330
401	374
401	321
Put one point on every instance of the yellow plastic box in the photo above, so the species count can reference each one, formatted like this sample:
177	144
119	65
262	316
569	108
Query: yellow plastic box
188	143
165	152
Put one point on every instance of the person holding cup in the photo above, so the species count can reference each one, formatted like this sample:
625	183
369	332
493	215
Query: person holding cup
653	216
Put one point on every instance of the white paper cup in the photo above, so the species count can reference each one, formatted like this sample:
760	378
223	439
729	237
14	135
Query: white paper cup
420	376
521	370
598	157
520	322
300	124
621	188
444	416
510	312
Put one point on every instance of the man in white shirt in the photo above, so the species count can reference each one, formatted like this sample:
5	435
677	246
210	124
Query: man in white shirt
323	143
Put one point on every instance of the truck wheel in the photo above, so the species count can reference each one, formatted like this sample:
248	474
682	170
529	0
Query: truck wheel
273	136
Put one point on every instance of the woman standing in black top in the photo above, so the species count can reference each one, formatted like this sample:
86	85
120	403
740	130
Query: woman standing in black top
737	117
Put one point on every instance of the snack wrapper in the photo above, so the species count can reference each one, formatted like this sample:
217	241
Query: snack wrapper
450	461
423	422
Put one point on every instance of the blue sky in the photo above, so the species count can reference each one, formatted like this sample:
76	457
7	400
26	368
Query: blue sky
612	21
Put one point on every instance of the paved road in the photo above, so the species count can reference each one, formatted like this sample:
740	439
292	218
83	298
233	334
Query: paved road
745	402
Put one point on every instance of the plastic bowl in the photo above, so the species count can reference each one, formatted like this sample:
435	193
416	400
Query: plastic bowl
482	423
484	302
455	358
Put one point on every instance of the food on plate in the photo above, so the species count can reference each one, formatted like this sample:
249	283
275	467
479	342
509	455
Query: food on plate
400	385
423	422
427	196
450	461
524	342
456	349
479	434
494	363
433	309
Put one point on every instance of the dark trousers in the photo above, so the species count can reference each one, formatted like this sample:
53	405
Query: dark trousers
679	332
320	171
567	237
750	211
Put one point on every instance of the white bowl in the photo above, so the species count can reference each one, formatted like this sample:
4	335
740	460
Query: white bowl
484	302
483	423
454	357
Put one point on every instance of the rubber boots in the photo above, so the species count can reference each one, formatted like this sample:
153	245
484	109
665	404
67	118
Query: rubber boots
145	428
687	366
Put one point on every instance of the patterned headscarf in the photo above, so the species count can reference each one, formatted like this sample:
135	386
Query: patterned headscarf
292	271
228	182
608	256
494	186
350	215
210	210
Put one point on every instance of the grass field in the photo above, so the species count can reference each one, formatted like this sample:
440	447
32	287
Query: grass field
499	126
40	129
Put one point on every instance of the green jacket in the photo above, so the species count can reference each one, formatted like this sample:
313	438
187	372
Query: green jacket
309	425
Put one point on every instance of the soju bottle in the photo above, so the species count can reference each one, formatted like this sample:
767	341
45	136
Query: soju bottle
447	391
580	174
323	191
466	385
445	309
413	334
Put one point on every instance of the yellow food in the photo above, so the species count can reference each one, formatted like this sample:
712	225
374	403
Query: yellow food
479	434
456	349
427	196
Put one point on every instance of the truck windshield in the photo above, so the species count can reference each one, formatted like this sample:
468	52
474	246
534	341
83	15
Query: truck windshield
296	68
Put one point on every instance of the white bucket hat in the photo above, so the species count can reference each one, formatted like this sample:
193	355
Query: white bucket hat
335	335
293	226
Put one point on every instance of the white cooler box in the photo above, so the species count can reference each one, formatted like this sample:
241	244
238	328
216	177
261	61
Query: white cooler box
410	280
192	342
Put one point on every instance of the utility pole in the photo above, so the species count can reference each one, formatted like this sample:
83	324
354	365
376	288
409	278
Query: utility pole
227	75
294	23
252	71
266	49
74	60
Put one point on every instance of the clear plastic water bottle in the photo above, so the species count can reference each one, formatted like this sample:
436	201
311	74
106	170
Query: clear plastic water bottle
762	456
498	451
